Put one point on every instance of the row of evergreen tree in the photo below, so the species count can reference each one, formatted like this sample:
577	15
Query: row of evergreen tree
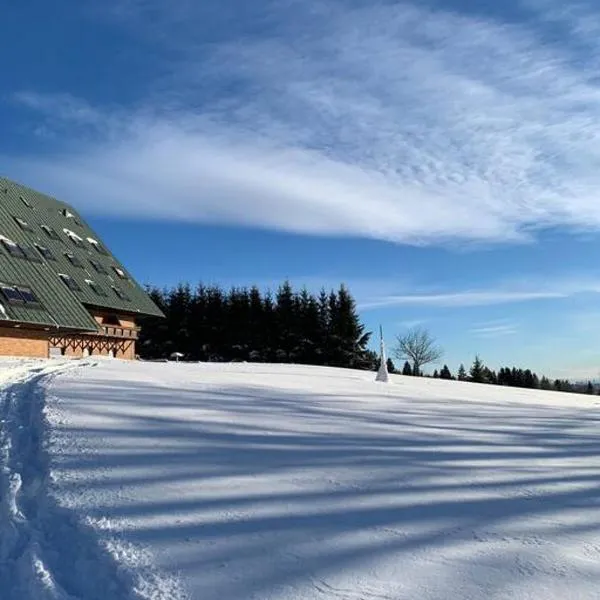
210	324
507	376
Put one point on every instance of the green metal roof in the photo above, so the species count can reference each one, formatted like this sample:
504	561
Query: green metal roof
60	306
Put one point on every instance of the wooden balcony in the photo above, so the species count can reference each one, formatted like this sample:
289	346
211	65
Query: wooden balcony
129	333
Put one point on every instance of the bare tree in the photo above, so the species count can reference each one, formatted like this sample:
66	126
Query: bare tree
418	346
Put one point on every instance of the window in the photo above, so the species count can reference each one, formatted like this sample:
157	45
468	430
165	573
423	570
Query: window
98	267
12	248
24	225
120	272
70	282
25	201
51	233
65	212
73	260
98	246
31	254
19	294
78	241
45	252
11	294
119	293
27	294
95	287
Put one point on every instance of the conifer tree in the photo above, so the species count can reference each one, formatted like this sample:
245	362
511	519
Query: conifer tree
462	373
477	370
407	369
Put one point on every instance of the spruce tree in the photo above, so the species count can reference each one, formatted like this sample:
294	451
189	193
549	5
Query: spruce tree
462	373
477	370
407	369
445	373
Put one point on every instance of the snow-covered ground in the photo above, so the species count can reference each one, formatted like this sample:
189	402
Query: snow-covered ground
247	482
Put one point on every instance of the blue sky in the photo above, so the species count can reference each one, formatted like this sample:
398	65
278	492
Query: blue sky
441	158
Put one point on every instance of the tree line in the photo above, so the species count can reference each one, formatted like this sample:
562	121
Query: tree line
417	347
208	323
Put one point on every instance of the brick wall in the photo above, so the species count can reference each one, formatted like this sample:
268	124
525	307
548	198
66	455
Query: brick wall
23	342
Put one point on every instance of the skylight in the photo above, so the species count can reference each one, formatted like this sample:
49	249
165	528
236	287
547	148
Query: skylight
19	294
27	294
74	260
11	294
31	254
25	201
45	252
97	245
69	282
23	224
120	272
95	287
78	241
51	233
98	267
119	292
11	247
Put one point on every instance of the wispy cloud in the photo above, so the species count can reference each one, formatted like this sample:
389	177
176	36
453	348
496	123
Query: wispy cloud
502	293
462	299
494	329
388	121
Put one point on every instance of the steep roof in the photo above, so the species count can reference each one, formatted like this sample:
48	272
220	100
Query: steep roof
47	247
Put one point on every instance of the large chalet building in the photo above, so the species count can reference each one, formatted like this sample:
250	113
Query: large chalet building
62	292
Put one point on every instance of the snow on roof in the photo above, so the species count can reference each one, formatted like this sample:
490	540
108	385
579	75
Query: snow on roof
72	234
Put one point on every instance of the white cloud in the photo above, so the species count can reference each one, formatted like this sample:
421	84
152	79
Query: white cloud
391	122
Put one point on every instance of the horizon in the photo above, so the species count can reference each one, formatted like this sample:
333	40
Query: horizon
440	158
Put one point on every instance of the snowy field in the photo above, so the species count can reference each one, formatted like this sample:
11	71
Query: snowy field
245	482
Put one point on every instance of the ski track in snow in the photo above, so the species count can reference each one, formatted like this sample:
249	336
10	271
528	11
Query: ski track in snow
48	552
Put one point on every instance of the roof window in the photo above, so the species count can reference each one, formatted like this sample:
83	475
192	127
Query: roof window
97	245
27	294
78	241
31	254
95	287
25	201
45	252
120	272
74	260
18	294
69	282
51	233
11	294
98	267
11	247
24	225
119	293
